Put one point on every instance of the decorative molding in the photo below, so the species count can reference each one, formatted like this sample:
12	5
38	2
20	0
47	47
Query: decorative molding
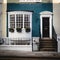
30	0
46	14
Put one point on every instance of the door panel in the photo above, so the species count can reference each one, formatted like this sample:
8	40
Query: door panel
45	26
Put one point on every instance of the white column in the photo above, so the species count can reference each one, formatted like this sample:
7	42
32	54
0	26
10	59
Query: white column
4	18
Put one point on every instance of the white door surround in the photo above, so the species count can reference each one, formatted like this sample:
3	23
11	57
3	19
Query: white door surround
46	14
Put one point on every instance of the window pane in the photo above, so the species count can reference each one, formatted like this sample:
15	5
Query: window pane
19	20
26	21
12	21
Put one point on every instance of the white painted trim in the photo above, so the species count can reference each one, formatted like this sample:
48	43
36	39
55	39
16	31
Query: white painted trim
19	12
21	34
46	14
31	28
30	0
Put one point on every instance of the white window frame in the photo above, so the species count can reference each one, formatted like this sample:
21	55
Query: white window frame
19	12
46	14
23	29
30	0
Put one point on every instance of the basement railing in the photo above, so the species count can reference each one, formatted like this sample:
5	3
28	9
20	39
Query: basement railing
15	41
54	35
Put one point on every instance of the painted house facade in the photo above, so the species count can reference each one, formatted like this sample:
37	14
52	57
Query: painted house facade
0	19
29	27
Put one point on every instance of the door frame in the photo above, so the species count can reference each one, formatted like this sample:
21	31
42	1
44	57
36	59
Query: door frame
46	14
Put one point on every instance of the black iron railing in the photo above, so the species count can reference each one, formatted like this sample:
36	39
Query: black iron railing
15	41
54	35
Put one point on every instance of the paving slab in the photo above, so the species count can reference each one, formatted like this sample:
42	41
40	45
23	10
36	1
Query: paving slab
28	54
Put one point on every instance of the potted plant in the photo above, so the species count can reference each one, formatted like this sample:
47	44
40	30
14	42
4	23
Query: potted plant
11	30
19	29
27	29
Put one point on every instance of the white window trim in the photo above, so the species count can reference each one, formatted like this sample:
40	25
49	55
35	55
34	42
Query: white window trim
46	14
30	0
21	12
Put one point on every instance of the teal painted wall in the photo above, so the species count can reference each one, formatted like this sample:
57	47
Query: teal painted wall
36	8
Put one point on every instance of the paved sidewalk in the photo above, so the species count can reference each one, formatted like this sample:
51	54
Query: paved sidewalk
20	55
28	54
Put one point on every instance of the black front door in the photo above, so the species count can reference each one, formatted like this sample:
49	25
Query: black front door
45	26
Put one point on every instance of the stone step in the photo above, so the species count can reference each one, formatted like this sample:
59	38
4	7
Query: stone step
48	45
47	41
51	40
48	49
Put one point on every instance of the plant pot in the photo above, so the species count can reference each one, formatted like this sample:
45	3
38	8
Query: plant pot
19	29
27	30
11	30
